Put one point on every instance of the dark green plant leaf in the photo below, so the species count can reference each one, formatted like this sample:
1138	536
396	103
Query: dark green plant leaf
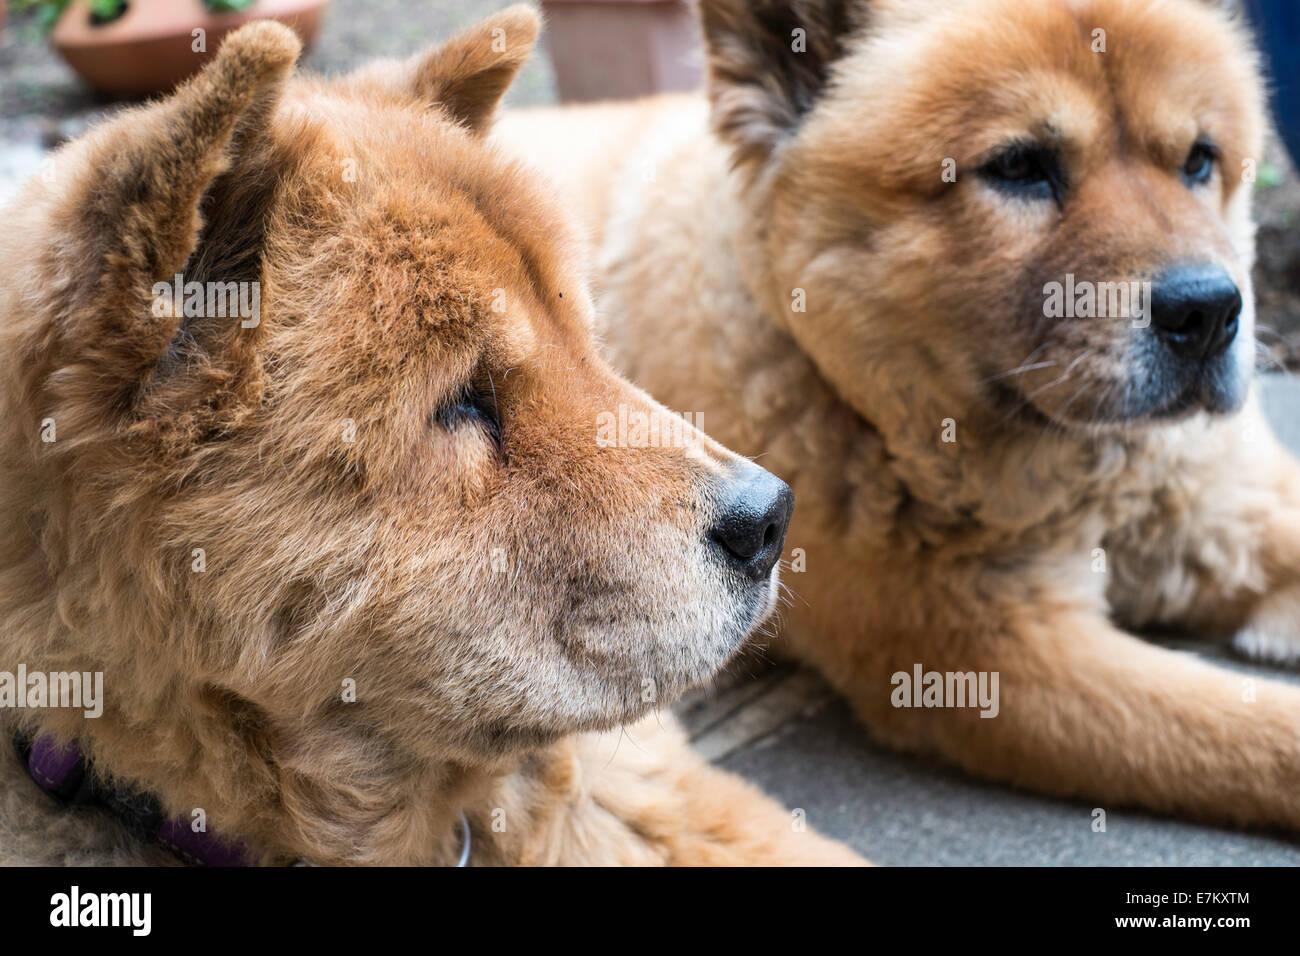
227	6
106	11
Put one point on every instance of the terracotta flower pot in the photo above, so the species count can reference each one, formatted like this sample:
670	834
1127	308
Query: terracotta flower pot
153	45
619	49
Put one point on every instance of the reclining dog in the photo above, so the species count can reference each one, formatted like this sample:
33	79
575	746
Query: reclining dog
853	256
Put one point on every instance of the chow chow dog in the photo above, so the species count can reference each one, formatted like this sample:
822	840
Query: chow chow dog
853	255
362	584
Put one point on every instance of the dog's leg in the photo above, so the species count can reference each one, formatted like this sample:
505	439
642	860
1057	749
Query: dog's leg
1219	554
693	813
1082	709
727	821
1265	624
642	796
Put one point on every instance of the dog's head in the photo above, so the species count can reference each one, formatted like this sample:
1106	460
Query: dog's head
376	508
1042	206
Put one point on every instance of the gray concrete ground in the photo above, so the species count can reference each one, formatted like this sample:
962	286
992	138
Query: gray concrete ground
783	729
902	810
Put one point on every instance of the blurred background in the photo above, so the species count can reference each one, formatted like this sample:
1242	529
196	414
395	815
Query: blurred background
65	63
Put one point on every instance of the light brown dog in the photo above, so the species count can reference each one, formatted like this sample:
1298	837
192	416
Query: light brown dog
852	258
359	562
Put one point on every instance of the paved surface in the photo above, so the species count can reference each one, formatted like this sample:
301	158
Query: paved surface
901	810
786	731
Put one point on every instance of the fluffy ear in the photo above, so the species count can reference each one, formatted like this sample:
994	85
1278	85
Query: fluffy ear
468	74
131	218
768	60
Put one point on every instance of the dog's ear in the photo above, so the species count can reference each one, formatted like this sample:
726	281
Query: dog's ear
131	216
768	60
468	75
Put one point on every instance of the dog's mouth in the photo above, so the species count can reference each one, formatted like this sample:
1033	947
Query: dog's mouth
621	697
754	619
1012	406
624	657
1215	388
1195	397
1151	397
767	597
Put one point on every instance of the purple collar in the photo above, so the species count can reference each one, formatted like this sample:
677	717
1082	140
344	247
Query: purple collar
64	773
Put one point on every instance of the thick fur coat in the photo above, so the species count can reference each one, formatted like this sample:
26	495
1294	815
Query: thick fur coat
836	259
357	563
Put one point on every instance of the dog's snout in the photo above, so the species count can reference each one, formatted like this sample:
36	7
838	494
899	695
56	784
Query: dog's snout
754	511
1195	311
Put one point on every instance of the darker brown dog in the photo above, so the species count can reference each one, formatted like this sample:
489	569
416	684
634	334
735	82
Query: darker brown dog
361	559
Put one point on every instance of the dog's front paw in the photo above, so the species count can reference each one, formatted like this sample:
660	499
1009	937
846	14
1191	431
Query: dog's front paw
1272	634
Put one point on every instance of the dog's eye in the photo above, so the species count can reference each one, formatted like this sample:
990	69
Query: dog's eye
1199	166
471	407
1026	169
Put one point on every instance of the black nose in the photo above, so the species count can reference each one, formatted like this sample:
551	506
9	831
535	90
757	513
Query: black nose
753	513
1195	309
